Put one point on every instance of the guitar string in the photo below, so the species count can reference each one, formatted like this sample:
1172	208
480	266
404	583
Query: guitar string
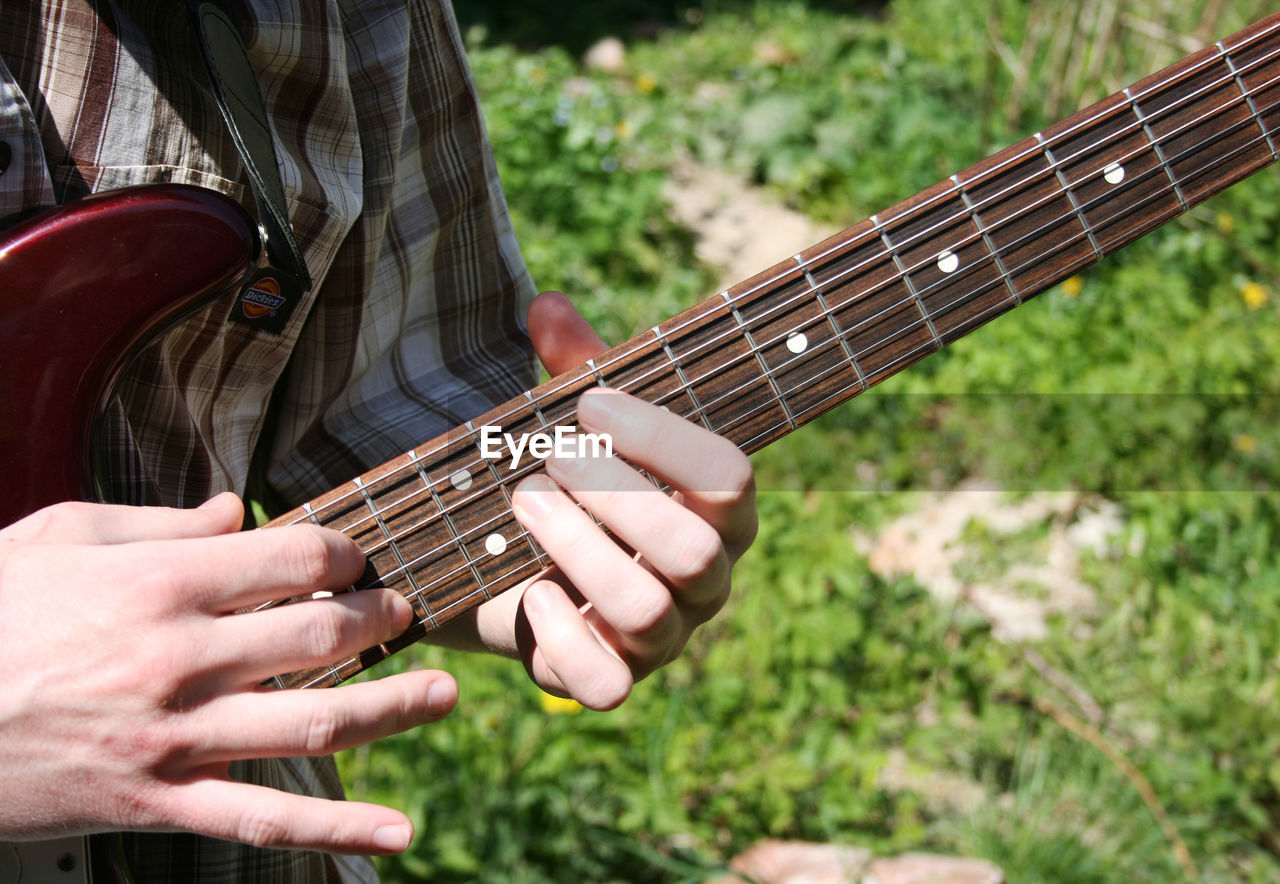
331	672
885	368
1047	174
1246	121
836	395
822	318
442	579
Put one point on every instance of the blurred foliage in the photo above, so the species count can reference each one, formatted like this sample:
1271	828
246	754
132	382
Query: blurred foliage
1150	381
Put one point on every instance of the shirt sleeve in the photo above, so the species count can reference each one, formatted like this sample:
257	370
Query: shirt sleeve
24	177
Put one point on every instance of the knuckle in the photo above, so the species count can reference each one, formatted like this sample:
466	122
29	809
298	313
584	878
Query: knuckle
323	634
322	731
735	481
649	616
310	559
262	825
606	691
700	556
52	522
140	808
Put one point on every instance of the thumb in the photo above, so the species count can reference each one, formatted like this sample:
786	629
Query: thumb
561	337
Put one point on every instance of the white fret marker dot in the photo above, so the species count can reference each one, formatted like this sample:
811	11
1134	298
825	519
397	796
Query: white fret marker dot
1113	174
948	261
496	544
797	342
461	480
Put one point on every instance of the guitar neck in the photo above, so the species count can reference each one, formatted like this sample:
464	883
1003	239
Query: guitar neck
771	354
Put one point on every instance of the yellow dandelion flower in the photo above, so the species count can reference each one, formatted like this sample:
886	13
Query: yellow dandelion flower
1244	442
1072	286
1226	223
553	705
646	83
624	129
1253	295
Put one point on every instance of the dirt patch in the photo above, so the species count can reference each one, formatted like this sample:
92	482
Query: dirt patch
741	229
1017	562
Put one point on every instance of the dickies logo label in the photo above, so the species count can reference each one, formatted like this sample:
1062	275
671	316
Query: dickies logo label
262	299
266	303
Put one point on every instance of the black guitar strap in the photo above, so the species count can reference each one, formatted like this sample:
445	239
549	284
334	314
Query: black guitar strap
269	299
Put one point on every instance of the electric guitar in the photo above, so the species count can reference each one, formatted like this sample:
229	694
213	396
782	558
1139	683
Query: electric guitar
83	286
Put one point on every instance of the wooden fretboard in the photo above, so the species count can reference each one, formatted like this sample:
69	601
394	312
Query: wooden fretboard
772	353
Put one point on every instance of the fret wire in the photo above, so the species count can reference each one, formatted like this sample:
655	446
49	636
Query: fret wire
447	519
483	588
538	553
1071	197
466	599
493	469
906	280
382	525
764	367
688	389
415	462
1248	97
537	409
591	364
1159	151
831	320
986	238
921	234
395	548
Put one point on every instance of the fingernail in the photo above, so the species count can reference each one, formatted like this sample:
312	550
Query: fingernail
392	839
442	695
566	467
536	496
598	408
402	615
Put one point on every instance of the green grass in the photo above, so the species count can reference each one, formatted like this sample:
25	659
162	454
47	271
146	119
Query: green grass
1150	382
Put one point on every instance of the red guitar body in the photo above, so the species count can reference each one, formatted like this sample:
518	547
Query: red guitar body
81	288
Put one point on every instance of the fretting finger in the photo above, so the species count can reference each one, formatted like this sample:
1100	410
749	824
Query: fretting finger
566	656
713	476
627	596
674	541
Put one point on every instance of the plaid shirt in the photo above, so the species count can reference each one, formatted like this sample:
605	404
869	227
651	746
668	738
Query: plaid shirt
416	319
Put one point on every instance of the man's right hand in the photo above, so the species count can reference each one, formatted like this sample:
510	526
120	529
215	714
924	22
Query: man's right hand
130	682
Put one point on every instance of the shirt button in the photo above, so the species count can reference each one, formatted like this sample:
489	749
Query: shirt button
6	156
